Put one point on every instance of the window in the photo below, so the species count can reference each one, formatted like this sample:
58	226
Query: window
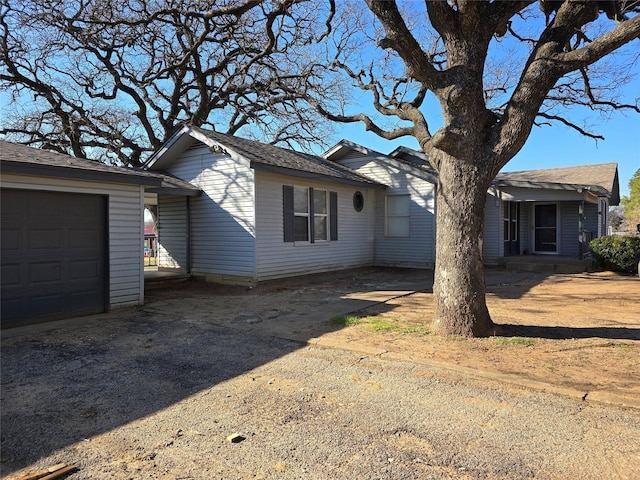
320	214
510	218
310	215
358	201
506	221
397	215
301	214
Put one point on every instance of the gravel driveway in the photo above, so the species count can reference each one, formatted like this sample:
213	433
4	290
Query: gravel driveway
155	394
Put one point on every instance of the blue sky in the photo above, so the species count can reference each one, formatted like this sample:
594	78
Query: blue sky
547	146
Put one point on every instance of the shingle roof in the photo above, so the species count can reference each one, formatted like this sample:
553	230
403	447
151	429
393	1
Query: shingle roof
17	153
414	158
400	156
270	157
604	175
19	158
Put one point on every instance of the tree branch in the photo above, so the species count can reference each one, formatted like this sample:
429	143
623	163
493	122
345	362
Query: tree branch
600	47
547	64
400	39
570	124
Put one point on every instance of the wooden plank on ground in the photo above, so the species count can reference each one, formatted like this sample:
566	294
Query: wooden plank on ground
50	473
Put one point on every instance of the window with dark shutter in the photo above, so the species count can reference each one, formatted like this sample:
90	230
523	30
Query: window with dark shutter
333	215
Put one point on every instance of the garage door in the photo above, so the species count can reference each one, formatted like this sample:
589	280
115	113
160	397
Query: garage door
53	256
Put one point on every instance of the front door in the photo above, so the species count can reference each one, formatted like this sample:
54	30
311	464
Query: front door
511	220
546	228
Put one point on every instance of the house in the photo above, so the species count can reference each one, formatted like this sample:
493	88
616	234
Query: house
265	212
555	211
546	212
405	225
72	234
268	212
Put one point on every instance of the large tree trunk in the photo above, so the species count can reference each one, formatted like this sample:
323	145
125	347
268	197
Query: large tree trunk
459	284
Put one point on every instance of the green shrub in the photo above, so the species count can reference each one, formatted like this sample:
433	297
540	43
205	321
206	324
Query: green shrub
616	253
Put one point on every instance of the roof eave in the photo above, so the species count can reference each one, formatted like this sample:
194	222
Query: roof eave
165	149
57	171
183	192
345	145
595	189
306	174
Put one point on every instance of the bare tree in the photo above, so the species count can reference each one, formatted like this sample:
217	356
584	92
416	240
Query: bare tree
465	54
115	77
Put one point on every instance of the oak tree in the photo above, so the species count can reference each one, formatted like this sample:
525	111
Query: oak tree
496	69
115	77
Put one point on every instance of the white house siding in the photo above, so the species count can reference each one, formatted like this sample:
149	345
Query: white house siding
418	249
277	258
172	232
493	238
223	216
125	229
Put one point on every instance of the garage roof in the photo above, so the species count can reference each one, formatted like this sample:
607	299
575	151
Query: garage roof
22	159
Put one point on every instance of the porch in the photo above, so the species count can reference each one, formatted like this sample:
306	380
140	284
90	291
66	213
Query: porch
155	278
546	263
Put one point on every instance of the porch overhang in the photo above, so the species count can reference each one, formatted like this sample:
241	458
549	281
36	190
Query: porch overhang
520	191
172	186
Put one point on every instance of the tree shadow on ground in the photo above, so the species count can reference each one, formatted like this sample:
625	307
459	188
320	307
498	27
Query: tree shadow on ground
71	380
567	333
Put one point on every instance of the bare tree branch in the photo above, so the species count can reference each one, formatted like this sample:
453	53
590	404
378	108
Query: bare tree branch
570	124
402	41
117	76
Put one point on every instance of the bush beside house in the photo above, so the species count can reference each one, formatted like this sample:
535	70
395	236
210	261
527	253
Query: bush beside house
617	253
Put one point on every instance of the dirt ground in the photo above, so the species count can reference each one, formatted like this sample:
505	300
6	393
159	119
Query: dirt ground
117	392
580	331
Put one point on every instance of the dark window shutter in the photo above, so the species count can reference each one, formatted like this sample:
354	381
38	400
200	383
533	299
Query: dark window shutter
333	216
287	212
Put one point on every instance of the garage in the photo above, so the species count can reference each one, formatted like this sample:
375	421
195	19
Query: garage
54	255
72	234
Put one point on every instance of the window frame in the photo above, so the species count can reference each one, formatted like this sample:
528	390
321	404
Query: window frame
313	215
328	214
397	216
301	214
510	218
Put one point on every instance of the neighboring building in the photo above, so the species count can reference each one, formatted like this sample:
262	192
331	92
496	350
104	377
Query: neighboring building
72	234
